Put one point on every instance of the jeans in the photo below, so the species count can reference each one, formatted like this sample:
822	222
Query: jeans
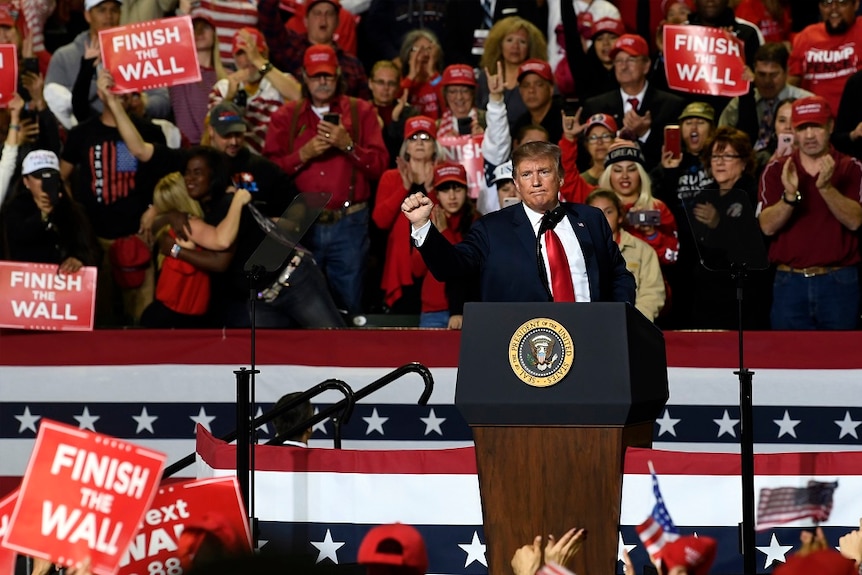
434	319
828	301
304	303
340	250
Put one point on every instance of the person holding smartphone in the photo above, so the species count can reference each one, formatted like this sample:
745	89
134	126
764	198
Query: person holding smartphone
646	217
460	116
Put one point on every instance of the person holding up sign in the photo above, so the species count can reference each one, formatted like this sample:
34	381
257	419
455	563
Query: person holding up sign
637	106
76	62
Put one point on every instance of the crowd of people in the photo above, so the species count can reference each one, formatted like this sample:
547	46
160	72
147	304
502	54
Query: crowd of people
169	192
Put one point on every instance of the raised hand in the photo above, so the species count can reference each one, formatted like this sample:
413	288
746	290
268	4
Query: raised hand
561	552
417	209
496	85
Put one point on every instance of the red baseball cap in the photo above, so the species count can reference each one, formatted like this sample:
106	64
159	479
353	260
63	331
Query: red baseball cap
696	554
6	18
416	124
320	59
666	4
259	40
536	66
631	44
311	3
605	120
607	25
459	75
824	562
396	544
811	110
201	14
450	172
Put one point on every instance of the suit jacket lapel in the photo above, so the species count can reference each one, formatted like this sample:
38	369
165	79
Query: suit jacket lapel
588	249
524	232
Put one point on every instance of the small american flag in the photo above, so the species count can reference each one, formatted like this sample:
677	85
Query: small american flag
658	529
784	504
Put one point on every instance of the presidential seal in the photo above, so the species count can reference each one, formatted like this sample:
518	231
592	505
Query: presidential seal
541	352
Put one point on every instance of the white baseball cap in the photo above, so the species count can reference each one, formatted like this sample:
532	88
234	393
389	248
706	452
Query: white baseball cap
503	172
39	160
90	4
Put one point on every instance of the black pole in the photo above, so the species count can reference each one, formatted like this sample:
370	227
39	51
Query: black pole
243	433
746	438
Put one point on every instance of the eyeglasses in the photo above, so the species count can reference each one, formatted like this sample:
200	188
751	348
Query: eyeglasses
725	157
419	136
384	83
623	62
322	78
459	91
827	3
604	138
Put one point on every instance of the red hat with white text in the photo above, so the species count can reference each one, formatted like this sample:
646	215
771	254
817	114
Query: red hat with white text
631	44
449	172
536	66
695	554
416	124
607	25
811	110
459	75
320	59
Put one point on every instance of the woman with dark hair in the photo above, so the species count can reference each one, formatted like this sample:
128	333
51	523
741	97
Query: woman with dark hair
728	237
206	179
453	215
44	224
782	132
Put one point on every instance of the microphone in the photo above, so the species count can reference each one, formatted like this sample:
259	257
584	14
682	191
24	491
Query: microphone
551	219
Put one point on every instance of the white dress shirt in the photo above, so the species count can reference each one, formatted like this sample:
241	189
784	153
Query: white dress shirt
564	230
574	253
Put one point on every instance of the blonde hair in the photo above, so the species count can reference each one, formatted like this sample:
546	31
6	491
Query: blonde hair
494	42
384	65
645	199
170	194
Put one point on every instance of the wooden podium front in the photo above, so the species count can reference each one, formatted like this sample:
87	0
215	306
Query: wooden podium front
550	435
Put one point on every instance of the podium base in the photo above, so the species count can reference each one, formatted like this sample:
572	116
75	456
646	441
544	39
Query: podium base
546	480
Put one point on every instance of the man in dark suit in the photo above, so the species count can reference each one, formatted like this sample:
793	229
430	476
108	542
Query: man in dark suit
503	247
637	107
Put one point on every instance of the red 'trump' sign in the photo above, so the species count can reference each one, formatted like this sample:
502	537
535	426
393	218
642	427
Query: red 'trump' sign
83	495
151	54
704	60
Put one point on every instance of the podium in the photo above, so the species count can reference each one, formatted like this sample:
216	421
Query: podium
554	393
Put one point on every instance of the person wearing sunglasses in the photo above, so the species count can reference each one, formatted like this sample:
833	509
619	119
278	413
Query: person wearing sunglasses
825	54
415	173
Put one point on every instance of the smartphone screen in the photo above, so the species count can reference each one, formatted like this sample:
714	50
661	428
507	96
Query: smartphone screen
672	140
571	107
785	144
332	118
465	126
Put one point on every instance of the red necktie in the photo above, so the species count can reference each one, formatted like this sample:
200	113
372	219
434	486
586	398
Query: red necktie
561	275
634	102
